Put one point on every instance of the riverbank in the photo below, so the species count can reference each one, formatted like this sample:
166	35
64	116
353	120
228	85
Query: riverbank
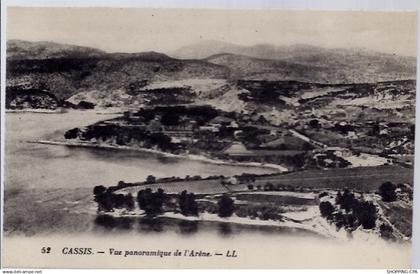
201	158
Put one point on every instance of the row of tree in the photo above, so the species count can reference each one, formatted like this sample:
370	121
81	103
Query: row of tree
155	203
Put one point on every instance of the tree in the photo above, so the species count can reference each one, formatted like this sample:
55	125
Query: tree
387	192
151	202
129	202
72	133
226	206
187	204
347	200
365	213
97	190
326	209
314	123
85	105
105	201
150	179
339	220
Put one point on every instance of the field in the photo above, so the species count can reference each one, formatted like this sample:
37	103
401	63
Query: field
211	186
278	198
366	179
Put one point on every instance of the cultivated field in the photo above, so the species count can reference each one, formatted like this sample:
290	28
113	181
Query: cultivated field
211	186
361	178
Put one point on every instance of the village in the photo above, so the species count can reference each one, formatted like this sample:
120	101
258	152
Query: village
310	142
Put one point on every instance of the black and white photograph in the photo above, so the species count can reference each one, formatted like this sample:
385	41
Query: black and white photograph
208	138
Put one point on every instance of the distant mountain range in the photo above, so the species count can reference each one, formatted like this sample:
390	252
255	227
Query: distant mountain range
302	62
67	69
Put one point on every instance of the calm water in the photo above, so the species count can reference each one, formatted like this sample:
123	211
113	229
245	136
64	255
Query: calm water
48	166
54	183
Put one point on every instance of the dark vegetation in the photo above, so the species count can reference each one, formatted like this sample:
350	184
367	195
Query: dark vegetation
349	212
66	73
108	201
226	206
151	202
156	203
268	92
39	98
387	192
188	204
30	98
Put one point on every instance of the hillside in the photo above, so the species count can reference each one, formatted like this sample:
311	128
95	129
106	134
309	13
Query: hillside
125	80
58	71
325	65
329	71
21	50
251	68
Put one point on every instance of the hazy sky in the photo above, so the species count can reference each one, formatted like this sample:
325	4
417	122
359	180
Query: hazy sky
135	30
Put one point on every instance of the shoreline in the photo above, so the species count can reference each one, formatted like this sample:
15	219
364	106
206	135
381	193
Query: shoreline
289	223
63	111
192	157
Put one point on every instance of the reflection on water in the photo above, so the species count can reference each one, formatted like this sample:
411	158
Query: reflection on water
188	227
108	222
225	229
163	225
148	224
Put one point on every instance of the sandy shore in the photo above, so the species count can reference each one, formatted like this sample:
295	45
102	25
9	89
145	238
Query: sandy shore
275	168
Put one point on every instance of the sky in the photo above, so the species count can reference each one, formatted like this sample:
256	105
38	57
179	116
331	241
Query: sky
165	30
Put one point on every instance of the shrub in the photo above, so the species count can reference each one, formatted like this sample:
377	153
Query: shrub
365	213
151	202
72	133
387	192
347	200
97	190
187	204
150	179
326	209
226	206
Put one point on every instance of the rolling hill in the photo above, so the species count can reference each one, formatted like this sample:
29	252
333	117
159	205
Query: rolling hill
122	79
65	70
352	65
22	50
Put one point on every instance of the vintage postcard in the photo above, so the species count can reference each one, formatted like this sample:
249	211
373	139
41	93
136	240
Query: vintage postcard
208	138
